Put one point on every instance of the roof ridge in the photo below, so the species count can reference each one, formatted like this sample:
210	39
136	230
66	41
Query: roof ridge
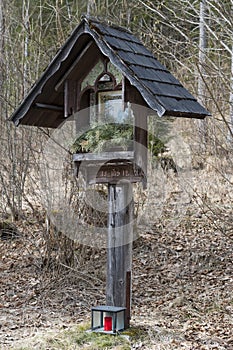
90	20
128	62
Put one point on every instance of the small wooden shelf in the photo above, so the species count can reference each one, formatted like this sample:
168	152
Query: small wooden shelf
107	167
103	156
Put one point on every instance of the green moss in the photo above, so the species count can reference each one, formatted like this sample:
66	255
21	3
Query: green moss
109	136
135	333
156	146
93	341
79	337
104	137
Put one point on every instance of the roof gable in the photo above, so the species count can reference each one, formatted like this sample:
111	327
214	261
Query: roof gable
158	87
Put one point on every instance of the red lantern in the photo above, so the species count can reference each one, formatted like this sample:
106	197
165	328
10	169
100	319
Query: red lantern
108	323
108	319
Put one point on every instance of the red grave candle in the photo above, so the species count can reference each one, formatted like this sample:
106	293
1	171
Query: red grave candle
108	323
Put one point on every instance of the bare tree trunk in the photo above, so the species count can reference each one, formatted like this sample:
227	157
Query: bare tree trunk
91	7
203	127
2	33
230	137
25	17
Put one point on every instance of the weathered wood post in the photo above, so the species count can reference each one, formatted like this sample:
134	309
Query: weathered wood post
120	237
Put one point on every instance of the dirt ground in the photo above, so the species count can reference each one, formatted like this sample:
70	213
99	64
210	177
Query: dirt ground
182	282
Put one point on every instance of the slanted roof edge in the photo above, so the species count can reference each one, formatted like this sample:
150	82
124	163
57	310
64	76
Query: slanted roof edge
87	26
50	70
120	64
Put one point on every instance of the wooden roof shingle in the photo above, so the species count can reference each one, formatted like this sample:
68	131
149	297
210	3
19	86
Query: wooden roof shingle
159	88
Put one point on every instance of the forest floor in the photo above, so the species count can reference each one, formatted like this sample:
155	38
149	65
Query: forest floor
182	285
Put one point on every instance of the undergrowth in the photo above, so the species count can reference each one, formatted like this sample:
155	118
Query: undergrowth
78	337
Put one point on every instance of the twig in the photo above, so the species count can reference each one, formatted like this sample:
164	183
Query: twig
82	273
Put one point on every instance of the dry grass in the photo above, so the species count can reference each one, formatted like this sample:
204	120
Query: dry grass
182	276
79	337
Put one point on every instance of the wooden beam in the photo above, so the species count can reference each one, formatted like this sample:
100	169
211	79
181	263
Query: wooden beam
103	156
68	72
70	96
120	237
49	107
141	141
140	112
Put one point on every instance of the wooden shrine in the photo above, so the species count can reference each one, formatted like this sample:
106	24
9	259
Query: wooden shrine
98	67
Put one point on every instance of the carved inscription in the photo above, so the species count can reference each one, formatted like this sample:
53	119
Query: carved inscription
121	172
112	174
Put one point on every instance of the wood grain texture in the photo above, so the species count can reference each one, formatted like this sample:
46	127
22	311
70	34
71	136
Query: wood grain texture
120	236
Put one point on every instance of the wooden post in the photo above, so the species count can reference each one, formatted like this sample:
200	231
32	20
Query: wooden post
120	237
140	111
128	299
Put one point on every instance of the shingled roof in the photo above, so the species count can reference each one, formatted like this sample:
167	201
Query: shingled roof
159	88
